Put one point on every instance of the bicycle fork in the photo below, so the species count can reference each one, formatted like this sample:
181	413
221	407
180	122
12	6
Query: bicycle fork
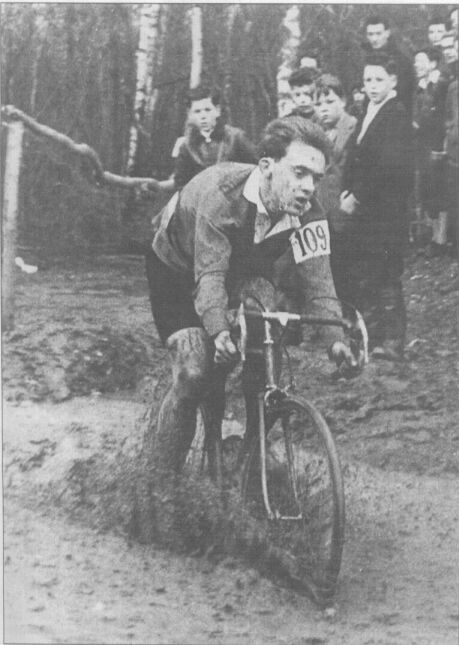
274	514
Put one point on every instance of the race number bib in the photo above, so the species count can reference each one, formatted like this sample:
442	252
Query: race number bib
311	241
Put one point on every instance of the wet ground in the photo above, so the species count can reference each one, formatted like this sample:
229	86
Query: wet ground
79	370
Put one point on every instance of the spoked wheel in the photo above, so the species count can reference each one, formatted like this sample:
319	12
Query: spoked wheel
304	491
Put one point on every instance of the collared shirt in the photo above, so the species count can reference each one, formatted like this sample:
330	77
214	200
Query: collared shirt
263	225
372	111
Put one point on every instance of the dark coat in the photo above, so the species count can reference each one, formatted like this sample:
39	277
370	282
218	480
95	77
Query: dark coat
452	124
379	170
227	144
429	114
406	77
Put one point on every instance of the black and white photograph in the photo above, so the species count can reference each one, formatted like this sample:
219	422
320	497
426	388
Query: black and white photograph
230	323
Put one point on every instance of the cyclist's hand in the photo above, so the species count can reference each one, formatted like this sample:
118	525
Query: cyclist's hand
225	349
345	360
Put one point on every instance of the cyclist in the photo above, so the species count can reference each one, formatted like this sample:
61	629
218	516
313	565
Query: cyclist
229	224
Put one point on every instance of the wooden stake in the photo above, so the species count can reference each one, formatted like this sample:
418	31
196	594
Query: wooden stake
10	217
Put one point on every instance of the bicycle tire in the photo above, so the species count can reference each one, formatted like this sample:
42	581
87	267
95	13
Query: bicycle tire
314	542
197	459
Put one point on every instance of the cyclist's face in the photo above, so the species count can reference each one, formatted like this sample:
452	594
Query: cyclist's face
204	114
292	179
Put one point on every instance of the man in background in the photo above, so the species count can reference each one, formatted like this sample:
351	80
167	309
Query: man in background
429	125
436	29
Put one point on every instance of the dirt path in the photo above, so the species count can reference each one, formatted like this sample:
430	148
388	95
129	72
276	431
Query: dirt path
65	582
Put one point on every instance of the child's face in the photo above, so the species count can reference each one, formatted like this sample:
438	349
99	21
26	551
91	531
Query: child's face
436	33
358	97
377	83
303	95
204	114
330	108
421	64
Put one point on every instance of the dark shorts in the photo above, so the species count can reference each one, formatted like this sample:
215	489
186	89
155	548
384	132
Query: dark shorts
170	297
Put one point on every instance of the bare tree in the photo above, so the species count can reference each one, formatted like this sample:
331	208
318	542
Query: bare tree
291	25
148	35
196	46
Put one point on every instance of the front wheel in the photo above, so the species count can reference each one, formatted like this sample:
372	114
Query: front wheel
304	490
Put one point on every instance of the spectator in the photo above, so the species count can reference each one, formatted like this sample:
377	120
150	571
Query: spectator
448	46
207	139
451	148
339	127
380	39
429	123
310	59
453	18
436	30
302	92
377	181
357	106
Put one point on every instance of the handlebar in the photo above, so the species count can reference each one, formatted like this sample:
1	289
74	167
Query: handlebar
284	317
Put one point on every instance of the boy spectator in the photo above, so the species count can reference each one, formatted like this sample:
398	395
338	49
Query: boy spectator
302	92
379	39
207	139
452	157
357	106
436	30
309	59
339	127
377	181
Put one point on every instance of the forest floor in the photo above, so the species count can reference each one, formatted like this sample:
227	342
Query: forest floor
80	370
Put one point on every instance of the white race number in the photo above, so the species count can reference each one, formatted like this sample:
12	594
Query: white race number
311	241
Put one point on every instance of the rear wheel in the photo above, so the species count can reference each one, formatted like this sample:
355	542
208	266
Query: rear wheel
305	493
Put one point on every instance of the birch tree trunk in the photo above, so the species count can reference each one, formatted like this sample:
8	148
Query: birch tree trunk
10	216
291	25
196	46
232	12
148	34
152	97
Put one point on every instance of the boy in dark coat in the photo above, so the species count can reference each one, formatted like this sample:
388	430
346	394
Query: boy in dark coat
377	181
208	140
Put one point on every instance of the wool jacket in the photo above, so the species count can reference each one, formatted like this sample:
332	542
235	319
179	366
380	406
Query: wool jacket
209	232
195	154
329	188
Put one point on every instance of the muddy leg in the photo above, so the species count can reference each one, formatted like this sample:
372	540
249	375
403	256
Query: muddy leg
167	441
191	356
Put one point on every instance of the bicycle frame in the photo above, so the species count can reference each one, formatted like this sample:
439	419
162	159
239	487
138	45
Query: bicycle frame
272	393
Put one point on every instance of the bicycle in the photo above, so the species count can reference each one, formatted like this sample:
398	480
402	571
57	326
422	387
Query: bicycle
290	475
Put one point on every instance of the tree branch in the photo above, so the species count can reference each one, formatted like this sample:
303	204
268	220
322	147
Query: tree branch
84	151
